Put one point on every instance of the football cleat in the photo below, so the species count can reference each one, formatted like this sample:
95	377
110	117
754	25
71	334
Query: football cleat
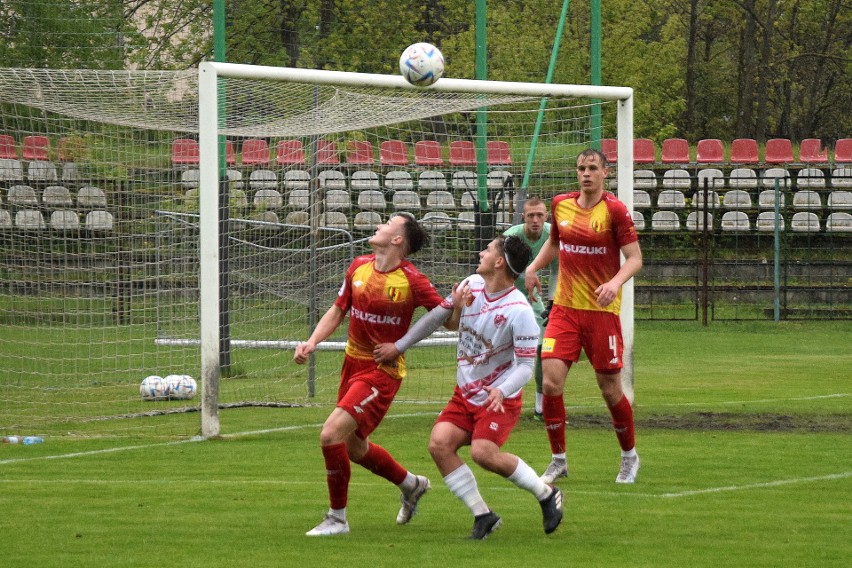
551	511
556	469
409	500
330	525
629	469
484	525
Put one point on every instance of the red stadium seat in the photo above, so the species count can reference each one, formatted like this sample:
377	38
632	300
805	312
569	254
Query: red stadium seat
710	151
36	148
327	153
812	152
256	152
497	153
359	153
290	153
185	151
393	153
675	151
843	151
744	151
609	148
230	156
779	151
462	153
644	151
428	153
8	148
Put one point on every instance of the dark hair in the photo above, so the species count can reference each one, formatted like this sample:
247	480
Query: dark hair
516	253
592	153
415	235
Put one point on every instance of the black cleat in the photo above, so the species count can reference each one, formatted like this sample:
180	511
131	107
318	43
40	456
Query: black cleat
551	511
484	525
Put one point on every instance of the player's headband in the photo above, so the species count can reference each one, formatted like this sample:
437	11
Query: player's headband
506	257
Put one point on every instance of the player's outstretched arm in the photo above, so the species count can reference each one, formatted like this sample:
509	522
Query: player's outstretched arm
326	326
425	326
545	256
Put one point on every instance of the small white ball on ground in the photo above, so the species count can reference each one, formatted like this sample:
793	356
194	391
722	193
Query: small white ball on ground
421	64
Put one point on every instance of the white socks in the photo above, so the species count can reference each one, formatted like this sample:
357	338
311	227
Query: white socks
526	478
462	484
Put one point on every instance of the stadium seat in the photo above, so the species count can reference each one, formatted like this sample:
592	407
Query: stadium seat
327	153
64	220
671	199
644	179
841	177
431	180
839	200
393	153
41	171
462	153
713	201
297	218
265	221
609	148
810	177
235	178
498	179
255	152
69	172
185	152
366	220
334	220
190	179
766	199
771	174
497	153
440	200
331	179
676	179
56	197
338	200
843	151
779	151
296	179
641	199
11	170
639	220
744	151
710	151
714	176
665	221
464	180
839	222
90	197
807	199
811	151
35	147
263	179
373	200
359	153
299	199
468	200
694	221
5	219
766	221
398	180
466	221
736	221
737	199
290	153
237	199
364	180
742	178
8	147
428	153
29	220
675	151
644	151
436	221
267	199
405	200
22	196
805	222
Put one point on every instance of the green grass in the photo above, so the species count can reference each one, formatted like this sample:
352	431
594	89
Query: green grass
743	429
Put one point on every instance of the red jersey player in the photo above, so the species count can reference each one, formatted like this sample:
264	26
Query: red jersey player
590	229
380	292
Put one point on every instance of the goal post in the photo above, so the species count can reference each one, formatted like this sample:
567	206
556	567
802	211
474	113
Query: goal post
363	101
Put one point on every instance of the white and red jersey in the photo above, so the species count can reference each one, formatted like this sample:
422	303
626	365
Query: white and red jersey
497	334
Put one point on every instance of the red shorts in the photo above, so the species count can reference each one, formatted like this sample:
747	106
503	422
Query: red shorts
482	424
597	333
366	393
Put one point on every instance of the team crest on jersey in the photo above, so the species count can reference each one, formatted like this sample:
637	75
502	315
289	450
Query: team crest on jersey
393	294
597	225
499	320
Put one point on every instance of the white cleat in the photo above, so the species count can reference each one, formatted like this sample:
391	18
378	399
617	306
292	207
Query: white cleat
629	469
409	501
556	469
329	526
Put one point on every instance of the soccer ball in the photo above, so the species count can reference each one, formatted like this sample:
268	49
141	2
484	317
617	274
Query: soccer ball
153	388
181	387
421	64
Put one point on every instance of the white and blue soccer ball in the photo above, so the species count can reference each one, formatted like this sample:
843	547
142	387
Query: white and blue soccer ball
180	387
421	64
153	388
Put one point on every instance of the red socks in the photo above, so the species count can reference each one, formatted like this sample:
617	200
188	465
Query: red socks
622	421
379	461
338	472
553	408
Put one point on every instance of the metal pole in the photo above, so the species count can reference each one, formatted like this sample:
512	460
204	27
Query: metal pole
776	267
486	221
595	56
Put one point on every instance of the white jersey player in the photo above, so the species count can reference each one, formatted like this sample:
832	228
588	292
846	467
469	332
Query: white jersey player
498	336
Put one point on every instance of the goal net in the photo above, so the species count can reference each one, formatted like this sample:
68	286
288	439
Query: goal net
231	201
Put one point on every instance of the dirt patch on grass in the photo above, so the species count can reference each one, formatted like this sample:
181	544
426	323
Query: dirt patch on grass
728	421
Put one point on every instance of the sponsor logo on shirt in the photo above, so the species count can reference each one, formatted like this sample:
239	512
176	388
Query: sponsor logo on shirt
499	320
582	249
375	318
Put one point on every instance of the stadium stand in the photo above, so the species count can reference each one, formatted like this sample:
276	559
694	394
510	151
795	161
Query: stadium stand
463	180
268	199
440	200
807	199
372	200
675	151
714	176
713	201
805	222
462	153
467	201
641	199
839	222
779	151
406	200
299	199
695	222
428	153
665	221
811	151
11	170
41	171
736	221
364	180
771	174
29	220
431	180
22	196
331	179
671	199
289	153
766	222
64	220
338	200
36	147
645	179
366	220
737	199
676	179
810	177
744	151
393	153
189	179
839	200
497	153
56	197
766	199
398	180
90	197
297	218
742	178
263	179
466	221
296	179
841	177
497	179
359	153
256	152
644	151
710	151
334	220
